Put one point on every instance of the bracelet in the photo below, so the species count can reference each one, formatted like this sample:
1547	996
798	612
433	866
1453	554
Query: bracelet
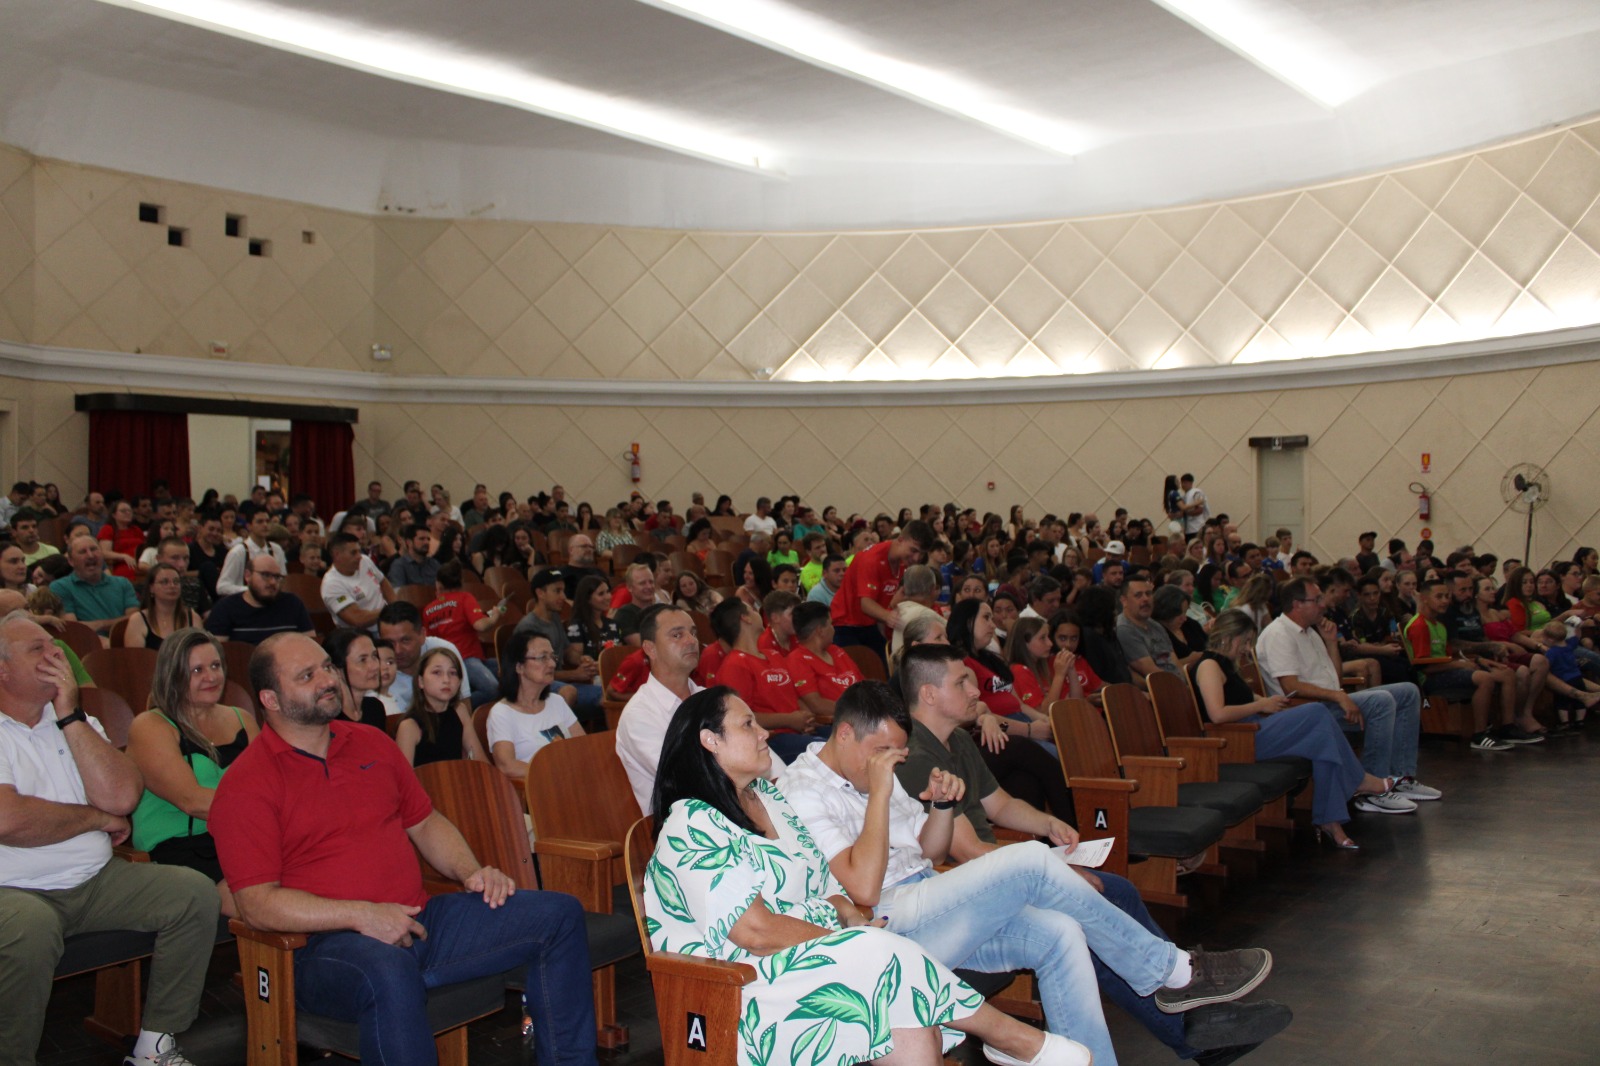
944	805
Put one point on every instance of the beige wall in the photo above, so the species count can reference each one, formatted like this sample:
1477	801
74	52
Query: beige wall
1498	242
1502	240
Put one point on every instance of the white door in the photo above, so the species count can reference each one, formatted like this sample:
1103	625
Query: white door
1280	492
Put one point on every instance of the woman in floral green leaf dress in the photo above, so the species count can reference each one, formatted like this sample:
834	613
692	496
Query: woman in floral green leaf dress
736	876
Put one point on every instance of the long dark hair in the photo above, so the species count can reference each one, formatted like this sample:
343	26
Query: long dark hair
590	623
958	630
688	770
1169	489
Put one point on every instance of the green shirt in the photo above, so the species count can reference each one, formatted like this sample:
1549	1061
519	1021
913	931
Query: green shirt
961	758
79	674
155	820
810	574
110	597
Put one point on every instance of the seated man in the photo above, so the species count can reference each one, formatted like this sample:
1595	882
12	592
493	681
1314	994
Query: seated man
1144	641
400	623
777	640
314	840
261	609
90	595
1442	670
763	681
65	797
672	646
822	670
354	590
1299	657
1015	907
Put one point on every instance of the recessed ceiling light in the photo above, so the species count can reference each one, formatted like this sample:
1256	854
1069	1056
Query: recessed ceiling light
430	64
820	43
1281	41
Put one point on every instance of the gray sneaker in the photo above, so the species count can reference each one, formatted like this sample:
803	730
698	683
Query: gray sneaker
1218	977
1390	802
1415	791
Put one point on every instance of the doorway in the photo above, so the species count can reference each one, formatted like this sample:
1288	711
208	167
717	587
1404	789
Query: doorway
1280	491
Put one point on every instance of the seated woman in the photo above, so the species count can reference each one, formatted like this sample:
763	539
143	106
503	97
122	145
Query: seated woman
121	542
182	745
162	611
14	571
702	539
755	580
1065	635
589	629
615	535
355	656
1308	730
1170	607
530	713
736	876
438	727
695	594
1010	735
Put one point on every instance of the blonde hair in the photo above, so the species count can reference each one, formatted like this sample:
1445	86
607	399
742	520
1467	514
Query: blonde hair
169	687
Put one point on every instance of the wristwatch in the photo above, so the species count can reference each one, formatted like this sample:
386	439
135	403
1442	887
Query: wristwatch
75	716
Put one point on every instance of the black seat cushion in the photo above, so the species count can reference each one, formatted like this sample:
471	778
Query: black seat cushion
1274	779
1173	832
986	984
1234	800
1302	766
91	951
612	938
448	1007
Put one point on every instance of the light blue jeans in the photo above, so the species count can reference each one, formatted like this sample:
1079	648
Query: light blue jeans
1020	907
1394	719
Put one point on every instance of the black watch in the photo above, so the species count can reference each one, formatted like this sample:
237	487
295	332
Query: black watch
75	716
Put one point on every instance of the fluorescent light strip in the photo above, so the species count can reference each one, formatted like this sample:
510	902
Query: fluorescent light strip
1281	42
811	40
421	62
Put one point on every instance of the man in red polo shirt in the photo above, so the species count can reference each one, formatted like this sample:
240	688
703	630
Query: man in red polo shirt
822	670
762	681
862	606
314	826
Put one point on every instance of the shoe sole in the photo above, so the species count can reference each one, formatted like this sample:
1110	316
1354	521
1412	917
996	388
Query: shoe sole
1386	810
1208	1001
1420	799
1266	1021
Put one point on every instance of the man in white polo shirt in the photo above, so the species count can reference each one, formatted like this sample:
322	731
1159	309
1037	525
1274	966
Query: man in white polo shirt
672	645
65	797
354	590
1299	656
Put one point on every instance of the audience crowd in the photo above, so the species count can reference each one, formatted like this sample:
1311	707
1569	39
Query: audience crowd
750	646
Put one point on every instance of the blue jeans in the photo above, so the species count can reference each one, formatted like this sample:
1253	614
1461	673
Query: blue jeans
1308	732
482	680
1020	907
1167	1028
1394	720
384	988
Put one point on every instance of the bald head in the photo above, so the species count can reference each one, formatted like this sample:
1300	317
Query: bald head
11	600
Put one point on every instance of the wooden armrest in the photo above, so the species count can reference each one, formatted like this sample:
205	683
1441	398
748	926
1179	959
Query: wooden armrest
1433	660
587	850
694	967
277	941
1199	755
1103	784
1158	780
1241	740
130	853
439	887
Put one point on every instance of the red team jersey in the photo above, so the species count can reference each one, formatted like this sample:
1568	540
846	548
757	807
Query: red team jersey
869	575
765	684
811	674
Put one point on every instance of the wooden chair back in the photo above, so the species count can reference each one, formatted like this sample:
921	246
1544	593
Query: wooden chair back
110	710
1177	712
555	543
308	588
688	989
702	627
600	810
622	557
480	726
1082	740
418	596
79	637
503	578
1132	721
718	567
236	658
867	661
1139	555
126	671
728	524
119	630
482	803
611	661
237	695
52	531
686	562
1250	670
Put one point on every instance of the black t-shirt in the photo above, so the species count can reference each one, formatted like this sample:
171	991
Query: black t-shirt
1465	626
1367	560
207	567
235	619
1236	691
1105	655
1192	639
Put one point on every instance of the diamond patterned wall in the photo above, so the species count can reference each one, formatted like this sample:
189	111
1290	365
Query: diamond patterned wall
1501	241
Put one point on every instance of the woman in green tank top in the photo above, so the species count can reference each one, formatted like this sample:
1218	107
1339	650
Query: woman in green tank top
182	745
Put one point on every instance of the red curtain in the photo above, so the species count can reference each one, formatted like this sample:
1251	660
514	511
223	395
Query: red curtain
322	464
130	449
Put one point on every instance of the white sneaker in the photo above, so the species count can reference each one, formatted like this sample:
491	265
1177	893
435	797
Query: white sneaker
1414	790
1057	1051
168	1054
1387	803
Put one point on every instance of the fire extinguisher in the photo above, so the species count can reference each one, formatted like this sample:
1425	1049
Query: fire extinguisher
1424	501
633	462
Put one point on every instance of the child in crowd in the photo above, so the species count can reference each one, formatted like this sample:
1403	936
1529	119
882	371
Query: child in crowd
1580	693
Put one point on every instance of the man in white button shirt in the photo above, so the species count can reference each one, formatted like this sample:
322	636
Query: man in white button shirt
65	797
230	579
1299	656
1016	907
672	645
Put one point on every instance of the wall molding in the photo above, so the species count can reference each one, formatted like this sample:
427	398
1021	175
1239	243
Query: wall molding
37	362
